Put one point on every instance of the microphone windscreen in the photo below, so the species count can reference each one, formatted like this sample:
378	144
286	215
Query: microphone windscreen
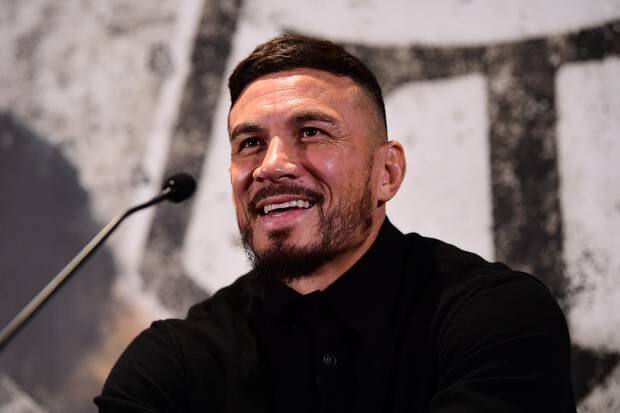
182	186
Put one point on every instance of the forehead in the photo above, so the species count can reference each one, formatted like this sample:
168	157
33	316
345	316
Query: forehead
291	89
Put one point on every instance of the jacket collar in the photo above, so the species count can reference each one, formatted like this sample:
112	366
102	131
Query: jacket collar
361	297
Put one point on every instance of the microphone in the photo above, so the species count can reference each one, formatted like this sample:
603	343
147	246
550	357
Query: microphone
180	187
177	188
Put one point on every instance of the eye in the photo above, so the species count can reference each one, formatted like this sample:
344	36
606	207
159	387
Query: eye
250	143
310	132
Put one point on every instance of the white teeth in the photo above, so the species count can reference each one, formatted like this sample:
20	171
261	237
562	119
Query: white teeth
291	204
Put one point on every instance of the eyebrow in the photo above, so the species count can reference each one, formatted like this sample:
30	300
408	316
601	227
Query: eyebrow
295	120
306	116
245	127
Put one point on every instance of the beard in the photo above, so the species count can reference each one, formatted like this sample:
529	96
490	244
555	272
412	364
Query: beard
337	231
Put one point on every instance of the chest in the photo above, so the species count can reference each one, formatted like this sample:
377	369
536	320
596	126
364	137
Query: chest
319	363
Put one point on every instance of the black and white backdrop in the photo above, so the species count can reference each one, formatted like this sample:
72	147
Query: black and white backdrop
509	112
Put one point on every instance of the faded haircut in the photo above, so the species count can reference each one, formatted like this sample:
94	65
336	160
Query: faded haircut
291	51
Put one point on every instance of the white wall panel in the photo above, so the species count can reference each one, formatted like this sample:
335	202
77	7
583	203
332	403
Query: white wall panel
443	126
589	158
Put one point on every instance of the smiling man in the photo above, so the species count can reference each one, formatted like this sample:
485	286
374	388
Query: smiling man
341	312
311	169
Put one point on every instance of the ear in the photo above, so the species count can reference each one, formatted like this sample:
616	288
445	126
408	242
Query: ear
391	170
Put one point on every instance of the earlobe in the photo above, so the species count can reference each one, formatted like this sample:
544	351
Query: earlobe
394	166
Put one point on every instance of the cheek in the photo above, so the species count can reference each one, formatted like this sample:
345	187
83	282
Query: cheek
332	166
324	165
338	172
240	179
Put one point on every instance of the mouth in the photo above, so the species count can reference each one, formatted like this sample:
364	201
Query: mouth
283	200
279	207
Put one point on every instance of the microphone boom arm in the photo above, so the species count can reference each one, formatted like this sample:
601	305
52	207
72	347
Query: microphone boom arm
175	190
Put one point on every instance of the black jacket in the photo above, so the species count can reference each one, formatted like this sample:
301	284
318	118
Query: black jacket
416	325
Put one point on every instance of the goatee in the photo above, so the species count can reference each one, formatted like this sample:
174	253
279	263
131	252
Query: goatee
336	232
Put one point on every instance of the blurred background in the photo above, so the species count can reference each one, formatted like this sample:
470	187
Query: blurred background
509	112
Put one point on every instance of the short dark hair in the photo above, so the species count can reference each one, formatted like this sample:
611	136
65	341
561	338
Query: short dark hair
291	51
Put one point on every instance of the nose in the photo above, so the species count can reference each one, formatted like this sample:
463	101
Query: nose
278	162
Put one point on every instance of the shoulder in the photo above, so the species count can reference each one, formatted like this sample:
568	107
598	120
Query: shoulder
174	359
490	305
237	298
210	320
478	303
496	333
215	322
464	279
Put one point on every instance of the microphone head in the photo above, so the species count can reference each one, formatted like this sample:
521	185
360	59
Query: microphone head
181	186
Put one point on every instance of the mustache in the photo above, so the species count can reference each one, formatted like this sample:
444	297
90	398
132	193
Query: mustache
285	189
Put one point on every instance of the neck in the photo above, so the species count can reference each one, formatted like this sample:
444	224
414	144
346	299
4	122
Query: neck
332	270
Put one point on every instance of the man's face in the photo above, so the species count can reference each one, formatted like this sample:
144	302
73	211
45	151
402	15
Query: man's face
302	164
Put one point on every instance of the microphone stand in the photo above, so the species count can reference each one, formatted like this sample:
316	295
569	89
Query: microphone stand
173	190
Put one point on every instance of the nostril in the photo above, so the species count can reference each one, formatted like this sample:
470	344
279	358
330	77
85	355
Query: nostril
275	169
258	175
